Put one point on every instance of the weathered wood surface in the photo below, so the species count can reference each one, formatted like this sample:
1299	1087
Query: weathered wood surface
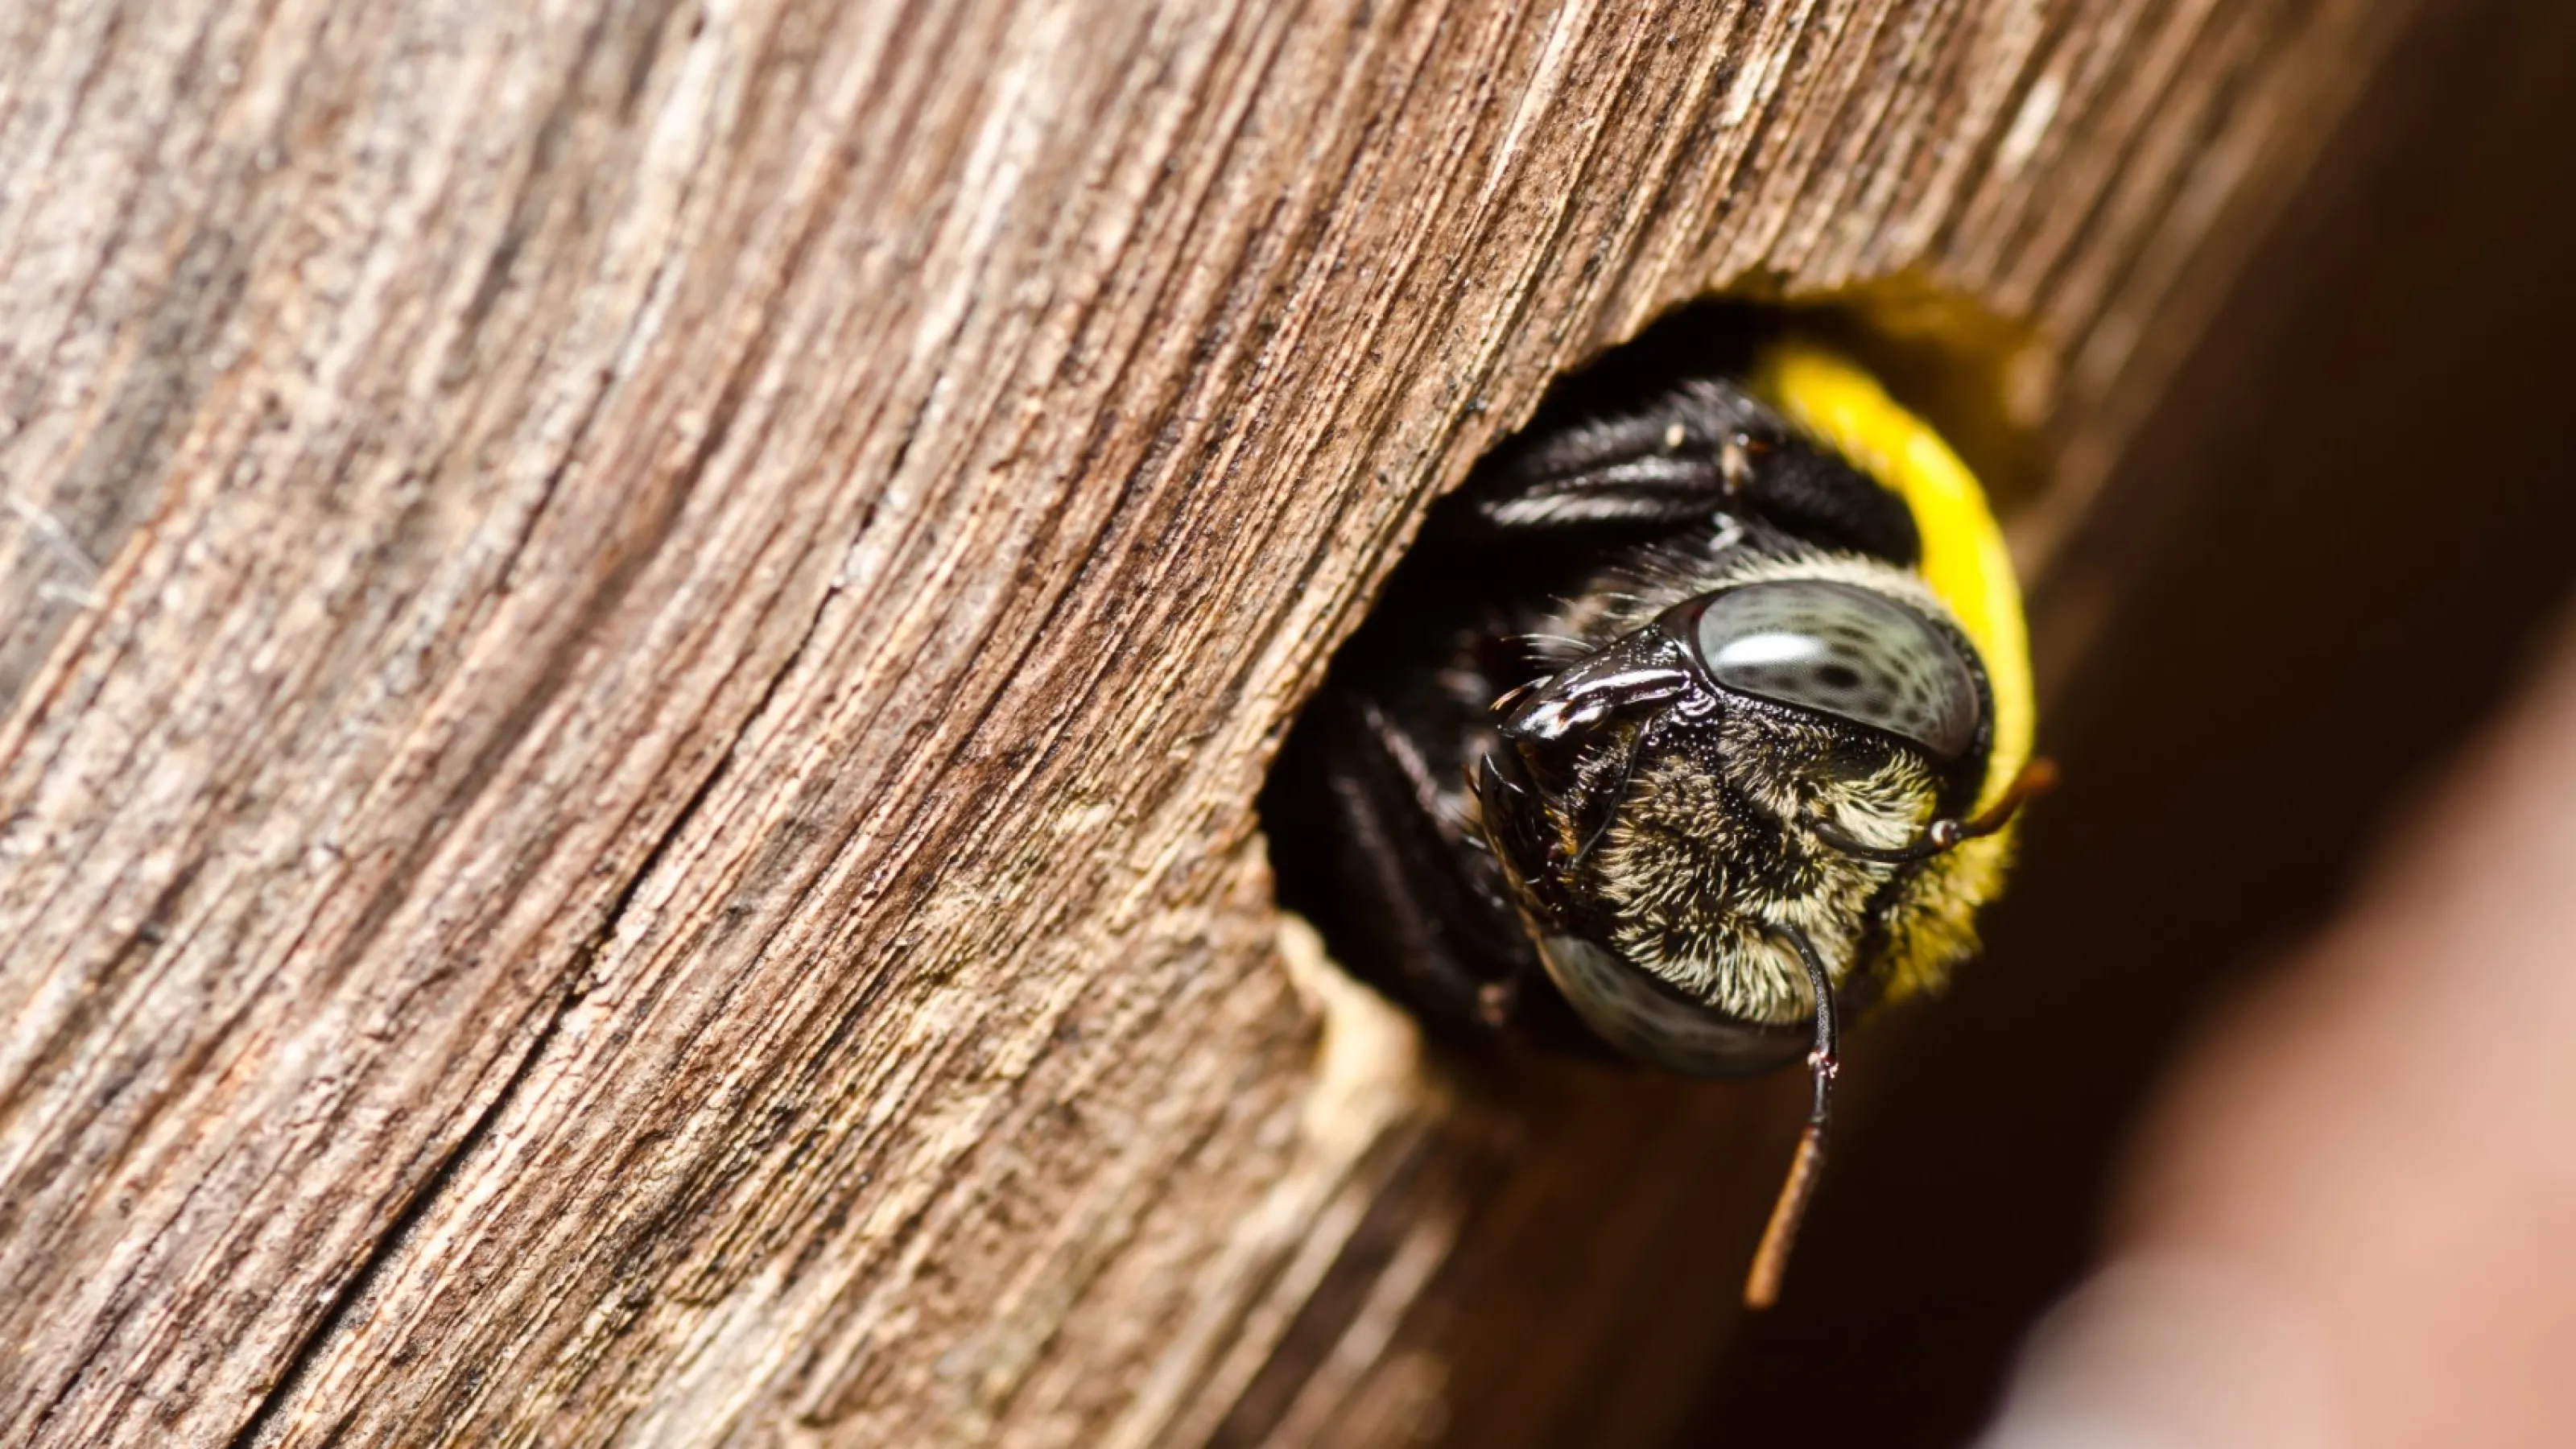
638	640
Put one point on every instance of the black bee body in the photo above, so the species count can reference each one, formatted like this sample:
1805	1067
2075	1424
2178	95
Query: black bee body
1694	723
1614	777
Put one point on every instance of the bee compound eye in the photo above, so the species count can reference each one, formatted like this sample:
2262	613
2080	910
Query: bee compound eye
1845	651
1655	1024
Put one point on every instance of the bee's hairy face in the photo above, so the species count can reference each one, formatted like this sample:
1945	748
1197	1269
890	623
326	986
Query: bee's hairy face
1666	811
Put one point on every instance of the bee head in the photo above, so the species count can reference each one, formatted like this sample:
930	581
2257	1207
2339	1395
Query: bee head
1690	815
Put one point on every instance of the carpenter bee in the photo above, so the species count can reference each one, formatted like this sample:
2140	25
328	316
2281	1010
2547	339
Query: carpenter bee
1694	724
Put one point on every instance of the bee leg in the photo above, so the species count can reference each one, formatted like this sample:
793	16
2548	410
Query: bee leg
1654	468
1684	457
1380	861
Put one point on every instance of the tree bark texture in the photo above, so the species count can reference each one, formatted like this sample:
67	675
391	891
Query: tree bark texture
639	638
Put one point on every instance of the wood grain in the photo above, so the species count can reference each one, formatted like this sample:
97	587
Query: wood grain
639	638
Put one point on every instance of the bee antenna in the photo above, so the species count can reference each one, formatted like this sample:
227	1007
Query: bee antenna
1771	1260
2036	778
